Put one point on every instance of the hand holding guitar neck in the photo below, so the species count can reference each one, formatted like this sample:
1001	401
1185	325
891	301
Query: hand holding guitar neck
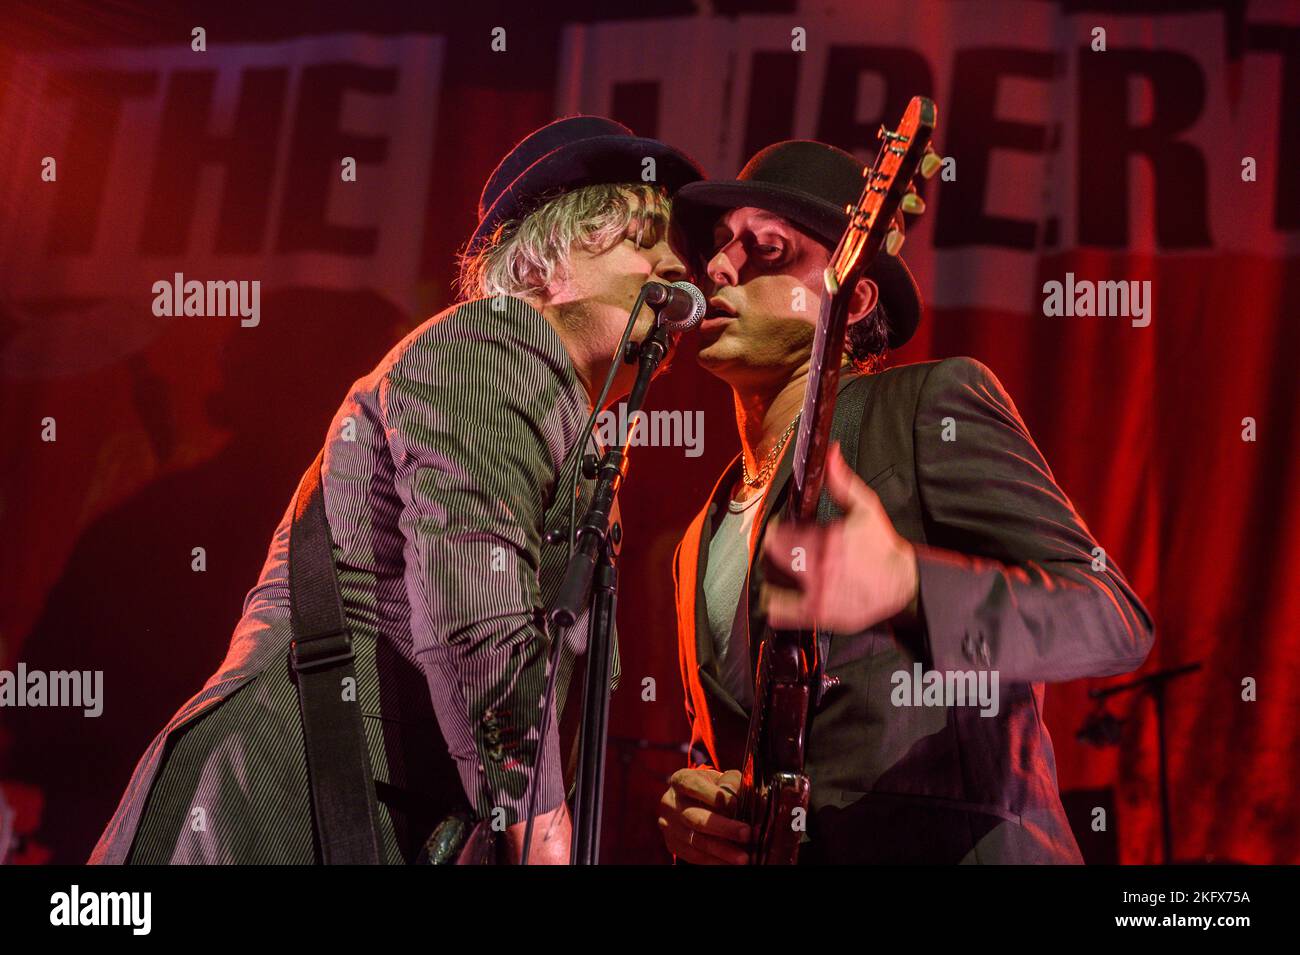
775	792
858	571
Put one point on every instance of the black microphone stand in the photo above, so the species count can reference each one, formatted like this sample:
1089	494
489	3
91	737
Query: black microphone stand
1153	684
592	578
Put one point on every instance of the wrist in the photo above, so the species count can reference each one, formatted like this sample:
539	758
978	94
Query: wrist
910	586
551	836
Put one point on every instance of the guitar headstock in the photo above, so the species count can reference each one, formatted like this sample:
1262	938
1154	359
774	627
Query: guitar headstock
904	152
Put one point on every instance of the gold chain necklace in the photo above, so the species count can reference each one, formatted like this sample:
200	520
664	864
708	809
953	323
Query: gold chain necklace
765	472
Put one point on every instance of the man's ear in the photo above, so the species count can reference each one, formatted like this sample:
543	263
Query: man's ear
863	300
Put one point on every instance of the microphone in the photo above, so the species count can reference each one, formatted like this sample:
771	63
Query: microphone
679	306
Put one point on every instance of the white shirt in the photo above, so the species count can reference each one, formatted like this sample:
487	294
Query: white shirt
724	583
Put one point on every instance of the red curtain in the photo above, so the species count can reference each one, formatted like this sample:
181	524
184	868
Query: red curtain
199	431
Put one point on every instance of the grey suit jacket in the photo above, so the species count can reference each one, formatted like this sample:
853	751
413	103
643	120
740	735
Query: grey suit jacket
441	472
1007	584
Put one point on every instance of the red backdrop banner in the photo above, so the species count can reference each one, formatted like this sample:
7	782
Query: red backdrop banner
1149	147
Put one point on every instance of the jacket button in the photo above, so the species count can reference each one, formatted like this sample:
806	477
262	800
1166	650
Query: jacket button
492	736
976	648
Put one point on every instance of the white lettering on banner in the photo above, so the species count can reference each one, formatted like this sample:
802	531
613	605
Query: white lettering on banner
1010	79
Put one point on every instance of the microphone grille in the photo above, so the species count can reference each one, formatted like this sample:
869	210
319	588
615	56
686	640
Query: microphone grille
698	307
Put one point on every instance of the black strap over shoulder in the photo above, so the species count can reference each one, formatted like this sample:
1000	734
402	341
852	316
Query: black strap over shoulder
338	762
846	428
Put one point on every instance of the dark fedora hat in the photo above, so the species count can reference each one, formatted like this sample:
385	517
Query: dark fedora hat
808	183
567	154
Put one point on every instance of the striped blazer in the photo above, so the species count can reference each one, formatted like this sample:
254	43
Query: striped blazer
442	473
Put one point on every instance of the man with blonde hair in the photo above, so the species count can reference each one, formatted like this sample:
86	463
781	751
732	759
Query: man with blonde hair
445	486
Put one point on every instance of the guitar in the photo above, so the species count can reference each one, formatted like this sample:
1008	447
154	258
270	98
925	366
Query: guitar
774	790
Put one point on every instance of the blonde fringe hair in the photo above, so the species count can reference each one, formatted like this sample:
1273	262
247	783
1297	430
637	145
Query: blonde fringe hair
524	256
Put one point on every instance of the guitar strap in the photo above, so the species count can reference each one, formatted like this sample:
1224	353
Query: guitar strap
846	428
344	805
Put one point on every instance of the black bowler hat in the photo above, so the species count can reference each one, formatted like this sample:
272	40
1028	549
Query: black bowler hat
570	153
808	183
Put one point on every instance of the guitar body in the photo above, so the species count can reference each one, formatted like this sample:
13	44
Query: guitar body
776	803
786	799
774	789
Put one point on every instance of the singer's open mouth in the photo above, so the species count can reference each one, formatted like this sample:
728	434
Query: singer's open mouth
719	307
717	315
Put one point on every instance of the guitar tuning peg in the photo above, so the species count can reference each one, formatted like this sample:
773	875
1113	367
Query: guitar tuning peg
913	204
930	164
848	209
893	242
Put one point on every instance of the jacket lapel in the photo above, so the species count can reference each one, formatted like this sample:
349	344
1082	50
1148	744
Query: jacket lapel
772	505
704	655
706	661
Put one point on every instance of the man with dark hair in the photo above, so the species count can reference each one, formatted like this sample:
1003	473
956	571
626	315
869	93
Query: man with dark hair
445	479
958	562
